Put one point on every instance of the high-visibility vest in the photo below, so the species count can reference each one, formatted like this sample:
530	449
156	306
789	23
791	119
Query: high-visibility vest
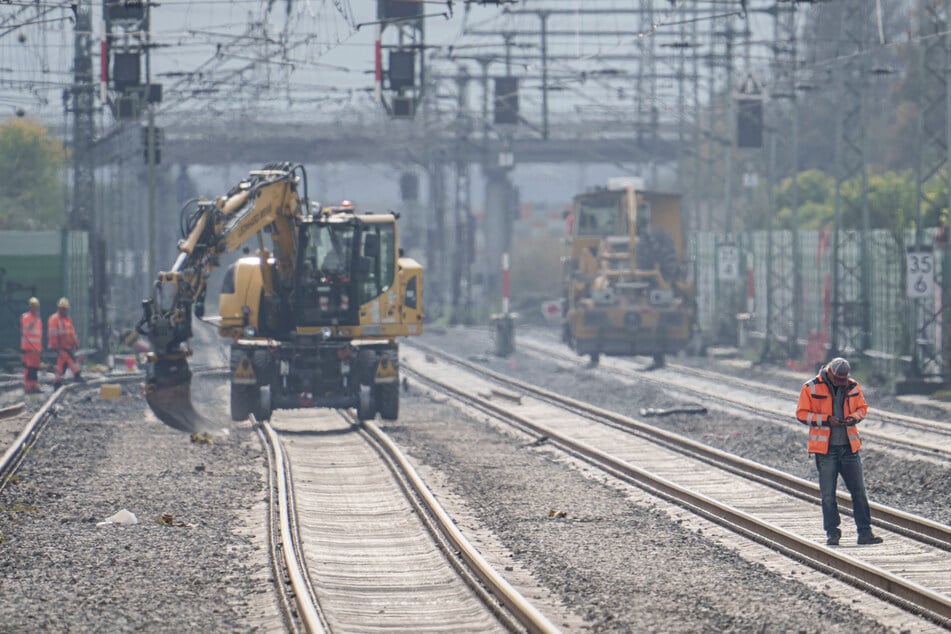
815	407
60	333
31	332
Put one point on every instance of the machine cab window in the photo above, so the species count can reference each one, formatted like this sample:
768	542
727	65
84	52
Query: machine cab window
597	220
327	252
376	260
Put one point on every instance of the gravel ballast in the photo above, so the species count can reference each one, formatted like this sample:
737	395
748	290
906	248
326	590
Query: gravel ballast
63	572
621	566
625	565
617	560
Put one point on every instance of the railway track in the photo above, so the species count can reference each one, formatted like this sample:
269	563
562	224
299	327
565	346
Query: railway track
15	453
759	398
47	410
911	570
363	544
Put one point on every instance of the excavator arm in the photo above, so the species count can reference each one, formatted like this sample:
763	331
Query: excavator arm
267	200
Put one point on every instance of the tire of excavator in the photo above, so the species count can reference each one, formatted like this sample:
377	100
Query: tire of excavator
387	397
245	400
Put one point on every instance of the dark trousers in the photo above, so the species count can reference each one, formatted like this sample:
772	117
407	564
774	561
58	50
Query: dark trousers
31	367
841	461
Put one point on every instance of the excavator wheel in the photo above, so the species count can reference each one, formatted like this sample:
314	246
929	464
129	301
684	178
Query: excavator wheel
366	407
262	410
388	400
245	400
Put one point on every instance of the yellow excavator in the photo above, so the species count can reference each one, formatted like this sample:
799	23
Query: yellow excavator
313	322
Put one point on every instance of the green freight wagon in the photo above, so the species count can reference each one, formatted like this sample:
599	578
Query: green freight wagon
47	265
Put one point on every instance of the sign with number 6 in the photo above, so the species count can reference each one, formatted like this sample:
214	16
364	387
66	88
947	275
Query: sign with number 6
920	269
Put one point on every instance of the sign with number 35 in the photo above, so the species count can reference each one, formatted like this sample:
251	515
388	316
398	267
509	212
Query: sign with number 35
920	263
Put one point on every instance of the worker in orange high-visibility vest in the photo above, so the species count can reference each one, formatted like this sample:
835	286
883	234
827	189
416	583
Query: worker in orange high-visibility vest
832	404
61	337
31	345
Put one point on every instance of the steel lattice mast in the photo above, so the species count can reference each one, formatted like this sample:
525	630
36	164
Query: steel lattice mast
934	60
850	318
784	284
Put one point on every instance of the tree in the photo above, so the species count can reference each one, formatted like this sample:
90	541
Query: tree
891	201
31	188
816	198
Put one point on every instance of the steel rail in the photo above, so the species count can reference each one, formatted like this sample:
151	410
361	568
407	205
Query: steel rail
902	592
16	452
720	398
916	527
527	615
937	427
306	602
281	578
12	410
12	384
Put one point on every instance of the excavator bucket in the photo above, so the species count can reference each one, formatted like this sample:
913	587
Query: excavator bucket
168	392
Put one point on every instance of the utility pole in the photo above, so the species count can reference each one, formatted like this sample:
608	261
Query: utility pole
150	148
544	18
82	211
647	48
946	242
731	131
460	255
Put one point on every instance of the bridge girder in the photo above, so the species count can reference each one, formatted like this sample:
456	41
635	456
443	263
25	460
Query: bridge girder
317	150
246	143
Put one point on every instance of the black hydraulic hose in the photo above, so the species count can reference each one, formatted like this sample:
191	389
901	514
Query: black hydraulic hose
186	226
303	172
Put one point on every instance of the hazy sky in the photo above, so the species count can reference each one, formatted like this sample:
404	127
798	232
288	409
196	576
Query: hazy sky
310	58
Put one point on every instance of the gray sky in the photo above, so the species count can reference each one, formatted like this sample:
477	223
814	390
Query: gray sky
308	58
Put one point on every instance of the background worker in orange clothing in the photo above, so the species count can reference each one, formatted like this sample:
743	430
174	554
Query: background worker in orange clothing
832	404
61	337
31	345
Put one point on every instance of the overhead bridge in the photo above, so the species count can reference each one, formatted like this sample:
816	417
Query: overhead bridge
393	141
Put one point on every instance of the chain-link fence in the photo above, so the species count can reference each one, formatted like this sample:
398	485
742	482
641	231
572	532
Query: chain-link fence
753	291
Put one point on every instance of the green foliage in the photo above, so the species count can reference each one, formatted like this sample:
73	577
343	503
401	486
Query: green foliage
934	209
816	196
891	201
31	189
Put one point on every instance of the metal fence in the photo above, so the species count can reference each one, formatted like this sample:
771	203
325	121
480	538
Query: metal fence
779	297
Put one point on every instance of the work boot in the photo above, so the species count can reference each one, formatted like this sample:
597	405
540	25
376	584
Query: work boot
832	537
78	378
57	385
867	538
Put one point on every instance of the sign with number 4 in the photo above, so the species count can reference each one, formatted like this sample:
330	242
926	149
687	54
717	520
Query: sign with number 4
728	263
920	264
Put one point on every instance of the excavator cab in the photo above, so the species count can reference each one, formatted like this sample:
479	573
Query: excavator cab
342	266
325	292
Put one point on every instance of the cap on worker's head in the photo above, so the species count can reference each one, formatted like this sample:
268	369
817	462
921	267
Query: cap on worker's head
839	368
62	303
34	302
